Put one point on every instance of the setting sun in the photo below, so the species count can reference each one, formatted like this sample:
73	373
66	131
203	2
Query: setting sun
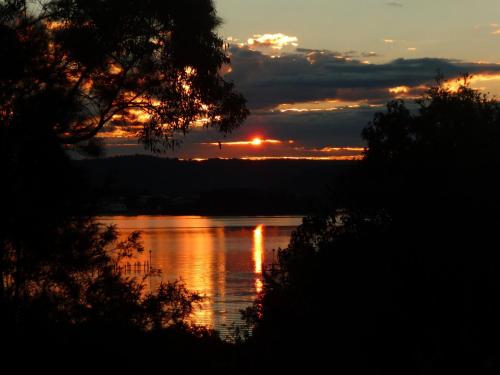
256	142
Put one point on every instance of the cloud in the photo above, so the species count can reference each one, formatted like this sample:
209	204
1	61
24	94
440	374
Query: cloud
394	4
370	54
317	75
274	41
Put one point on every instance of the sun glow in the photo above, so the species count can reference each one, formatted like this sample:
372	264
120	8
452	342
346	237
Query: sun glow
256	142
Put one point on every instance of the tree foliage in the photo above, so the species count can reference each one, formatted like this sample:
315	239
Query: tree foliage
455	127
405	279
76	67
444	151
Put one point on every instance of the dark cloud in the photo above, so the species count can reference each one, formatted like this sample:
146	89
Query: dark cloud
310	75
395	4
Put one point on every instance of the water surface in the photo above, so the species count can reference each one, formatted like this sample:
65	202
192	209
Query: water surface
219	257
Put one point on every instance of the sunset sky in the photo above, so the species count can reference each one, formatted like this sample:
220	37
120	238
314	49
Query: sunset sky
314	72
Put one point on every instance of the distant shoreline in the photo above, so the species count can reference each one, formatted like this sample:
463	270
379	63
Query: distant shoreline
139	185
204	214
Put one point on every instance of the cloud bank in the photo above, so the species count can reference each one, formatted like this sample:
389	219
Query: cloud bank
311	75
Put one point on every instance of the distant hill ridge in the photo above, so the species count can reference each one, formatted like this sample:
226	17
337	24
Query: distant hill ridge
138	183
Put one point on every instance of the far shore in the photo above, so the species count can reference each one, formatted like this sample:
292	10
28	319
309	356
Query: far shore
203	214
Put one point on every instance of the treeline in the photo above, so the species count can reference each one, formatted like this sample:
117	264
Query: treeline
143	184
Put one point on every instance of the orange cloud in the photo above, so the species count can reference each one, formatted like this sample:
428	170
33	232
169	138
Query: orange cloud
408	92
120	132
275	41
318	106
342	149
399	90
492	82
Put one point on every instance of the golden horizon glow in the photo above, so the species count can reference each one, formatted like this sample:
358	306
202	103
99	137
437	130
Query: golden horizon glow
257	141
340	149
318	158
264	158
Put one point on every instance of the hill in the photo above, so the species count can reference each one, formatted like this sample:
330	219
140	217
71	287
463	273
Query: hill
145	184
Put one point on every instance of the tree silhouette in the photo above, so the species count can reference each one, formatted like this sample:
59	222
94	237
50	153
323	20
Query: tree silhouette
69	70
153	68
405	278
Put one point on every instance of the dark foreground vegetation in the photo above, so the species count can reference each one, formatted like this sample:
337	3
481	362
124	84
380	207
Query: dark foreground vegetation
403	280
68	70
406	280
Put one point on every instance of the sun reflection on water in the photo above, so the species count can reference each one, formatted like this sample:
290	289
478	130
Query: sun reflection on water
258	255
258	248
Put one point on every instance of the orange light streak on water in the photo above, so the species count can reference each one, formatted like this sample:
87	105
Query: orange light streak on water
258	255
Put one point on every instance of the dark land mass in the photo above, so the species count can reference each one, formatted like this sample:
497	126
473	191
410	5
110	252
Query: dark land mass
153	185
